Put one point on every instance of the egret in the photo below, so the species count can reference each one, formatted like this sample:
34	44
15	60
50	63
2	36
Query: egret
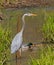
18	39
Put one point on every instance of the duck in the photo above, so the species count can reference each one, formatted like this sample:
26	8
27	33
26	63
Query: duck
27	46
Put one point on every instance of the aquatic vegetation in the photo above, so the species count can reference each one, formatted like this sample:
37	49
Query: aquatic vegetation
48	28
46	57
5	40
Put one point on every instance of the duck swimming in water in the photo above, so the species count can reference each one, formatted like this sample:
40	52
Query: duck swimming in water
27	46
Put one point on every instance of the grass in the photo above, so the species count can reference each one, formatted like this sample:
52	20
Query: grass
5	40
46	57
48	28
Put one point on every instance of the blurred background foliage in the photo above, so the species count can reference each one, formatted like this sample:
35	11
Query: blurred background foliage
25	3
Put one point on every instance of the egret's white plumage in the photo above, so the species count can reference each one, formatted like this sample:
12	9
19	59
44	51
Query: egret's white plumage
16	43
18	39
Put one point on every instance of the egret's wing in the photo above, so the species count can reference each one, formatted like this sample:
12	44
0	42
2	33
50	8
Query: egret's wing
16	43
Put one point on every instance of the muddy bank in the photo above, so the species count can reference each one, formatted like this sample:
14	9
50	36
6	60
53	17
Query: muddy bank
25	3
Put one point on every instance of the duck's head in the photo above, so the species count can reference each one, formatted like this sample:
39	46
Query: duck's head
29	44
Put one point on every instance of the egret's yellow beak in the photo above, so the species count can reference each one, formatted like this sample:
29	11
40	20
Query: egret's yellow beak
34	14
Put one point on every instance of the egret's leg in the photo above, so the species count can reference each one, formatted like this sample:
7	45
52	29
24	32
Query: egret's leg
18	61
20	52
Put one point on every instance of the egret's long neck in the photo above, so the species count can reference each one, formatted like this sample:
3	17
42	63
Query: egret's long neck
23	20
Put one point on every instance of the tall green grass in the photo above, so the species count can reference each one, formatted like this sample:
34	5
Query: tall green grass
48	28
5	40
46	57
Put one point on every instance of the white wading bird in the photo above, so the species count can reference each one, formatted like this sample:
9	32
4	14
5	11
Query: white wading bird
18	39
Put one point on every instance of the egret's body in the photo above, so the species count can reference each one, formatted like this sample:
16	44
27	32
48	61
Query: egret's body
18	39
15	43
